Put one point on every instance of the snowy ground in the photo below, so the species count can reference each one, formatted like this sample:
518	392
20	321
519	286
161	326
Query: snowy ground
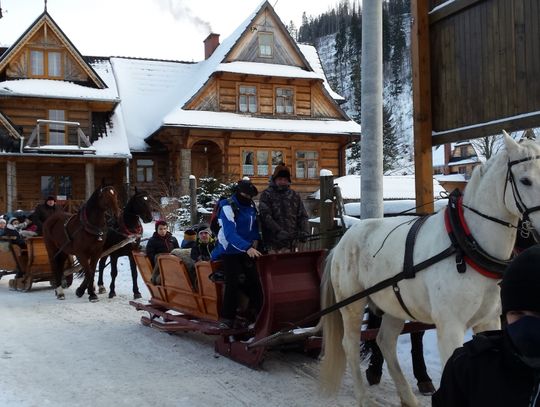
76	353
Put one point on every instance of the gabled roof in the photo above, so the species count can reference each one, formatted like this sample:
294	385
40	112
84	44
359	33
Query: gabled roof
46	20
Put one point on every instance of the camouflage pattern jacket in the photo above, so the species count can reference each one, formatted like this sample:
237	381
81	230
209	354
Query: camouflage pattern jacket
283	216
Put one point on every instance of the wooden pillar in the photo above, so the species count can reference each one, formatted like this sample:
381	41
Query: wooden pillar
89	175
423	159
11	184
326	209
193	200
185	170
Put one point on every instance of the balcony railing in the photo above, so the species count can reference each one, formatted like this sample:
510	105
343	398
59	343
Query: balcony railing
37	143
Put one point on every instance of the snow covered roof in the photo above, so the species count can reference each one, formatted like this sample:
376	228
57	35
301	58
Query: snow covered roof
450	178
47	88
311	54
218	120
394	187
263	69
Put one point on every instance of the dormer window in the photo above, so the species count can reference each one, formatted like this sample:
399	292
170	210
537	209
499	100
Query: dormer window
45	64
266	44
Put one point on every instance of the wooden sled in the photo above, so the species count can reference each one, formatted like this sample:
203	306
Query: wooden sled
290	284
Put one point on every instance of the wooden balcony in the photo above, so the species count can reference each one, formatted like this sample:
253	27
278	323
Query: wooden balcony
57	136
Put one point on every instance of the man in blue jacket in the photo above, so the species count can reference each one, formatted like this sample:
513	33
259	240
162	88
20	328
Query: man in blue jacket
238	239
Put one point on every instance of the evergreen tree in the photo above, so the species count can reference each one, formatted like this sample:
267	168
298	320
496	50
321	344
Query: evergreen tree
390	141
291	28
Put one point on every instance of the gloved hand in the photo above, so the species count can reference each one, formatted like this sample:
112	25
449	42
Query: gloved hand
282	235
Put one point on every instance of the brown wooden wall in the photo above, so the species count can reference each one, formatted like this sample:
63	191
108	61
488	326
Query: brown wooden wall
485	66
24	113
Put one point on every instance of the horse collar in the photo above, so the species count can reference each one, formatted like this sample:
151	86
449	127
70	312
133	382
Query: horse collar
88	227
467	247
136	230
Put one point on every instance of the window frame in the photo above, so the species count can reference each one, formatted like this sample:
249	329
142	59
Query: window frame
265	34
292	99
269	165
316	160
45	68
145	168
59	180
255	96
56	128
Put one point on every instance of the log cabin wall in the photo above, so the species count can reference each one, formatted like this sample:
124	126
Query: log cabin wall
156	185
485	67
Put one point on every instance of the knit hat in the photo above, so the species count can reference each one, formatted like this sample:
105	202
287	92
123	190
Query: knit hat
520	286
247	187
282	171
50	198
190	235
159	223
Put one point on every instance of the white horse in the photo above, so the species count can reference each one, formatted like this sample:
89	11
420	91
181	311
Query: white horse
373	250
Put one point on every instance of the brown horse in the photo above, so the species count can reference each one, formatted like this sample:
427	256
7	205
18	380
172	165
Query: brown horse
81	234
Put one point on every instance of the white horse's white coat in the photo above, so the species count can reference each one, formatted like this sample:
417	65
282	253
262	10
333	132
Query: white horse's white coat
439	294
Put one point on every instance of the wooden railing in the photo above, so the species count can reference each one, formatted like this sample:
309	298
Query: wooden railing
37	141
69	205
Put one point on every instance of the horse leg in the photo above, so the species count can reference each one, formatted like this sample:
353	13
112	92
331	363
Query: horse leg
352	318
387	340
114	273
58	262
134	275
450	336
101	268
376	360
90	273
425	385
494	324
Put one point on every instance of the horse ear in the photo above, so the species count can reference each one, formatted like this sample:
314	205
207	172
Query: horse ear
511	145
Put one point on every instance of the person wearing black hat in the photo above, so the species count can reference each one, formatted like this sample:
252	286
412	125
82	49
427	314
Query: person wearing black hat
283	215
237	243
501	368
43	211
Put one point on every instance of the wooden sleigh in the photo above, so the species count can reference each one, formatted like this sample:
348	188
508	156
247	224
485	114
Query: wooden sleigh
33	262
290	284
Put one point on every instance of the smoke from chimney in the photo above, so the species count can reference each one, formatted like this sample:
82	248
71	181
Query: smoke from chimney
181	11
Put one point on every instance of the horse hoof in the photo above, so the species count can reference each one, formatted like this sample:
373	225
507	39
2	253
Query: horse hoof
60	296
102	290
79	292
372	377
136	296
112	294
426	388
93	298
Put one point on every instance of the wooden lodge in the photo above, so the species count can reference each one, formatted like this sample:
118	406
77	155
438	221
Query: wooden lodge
68	121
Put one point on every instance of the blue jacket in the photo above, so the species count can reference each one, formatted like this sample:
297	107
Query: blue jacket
237	231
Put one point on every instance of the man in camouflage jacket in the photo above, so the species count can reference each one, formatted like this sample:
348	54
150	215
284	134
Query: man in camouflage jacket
282	213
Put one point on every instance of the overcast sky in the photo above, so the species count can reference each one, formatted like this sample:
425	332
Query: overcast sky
167	29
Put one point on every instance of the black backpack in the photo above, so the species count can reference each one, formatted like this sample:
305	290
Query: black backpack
214	218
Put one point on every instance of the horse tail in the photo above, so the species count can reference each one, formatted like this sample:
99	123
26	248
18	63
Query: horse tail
334	361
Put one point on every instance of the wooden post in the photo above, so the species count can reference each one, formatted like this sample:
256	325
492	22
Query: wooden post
193	199
11	175
423	159
185	170
326	209
89	172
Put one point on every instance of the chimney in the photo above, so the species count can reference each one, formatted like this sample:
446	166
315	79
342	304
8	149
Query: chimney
210	44
447	156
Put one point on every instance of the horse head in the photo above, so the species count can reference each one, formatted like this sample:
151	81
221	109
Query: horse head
139	204
522	189
107	199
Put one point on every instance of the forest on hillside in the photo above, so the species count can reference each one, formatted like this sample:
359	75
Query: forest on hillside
337	35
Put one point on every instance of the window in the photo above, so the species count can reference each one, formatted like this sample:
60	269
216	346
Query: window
260	162
306	164
145	170
57	132
56	185
55	64
36	63
45	63
247	99
266	44
284	101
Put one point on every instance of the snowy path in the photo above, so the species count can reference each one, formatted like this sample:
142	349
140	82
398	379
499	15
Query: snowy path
76	353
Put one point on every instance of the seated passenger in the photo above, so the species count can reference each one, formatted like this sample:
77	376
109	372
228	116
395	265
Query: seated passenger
162	241
189	240
29	229
205	243
10	232
43	211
